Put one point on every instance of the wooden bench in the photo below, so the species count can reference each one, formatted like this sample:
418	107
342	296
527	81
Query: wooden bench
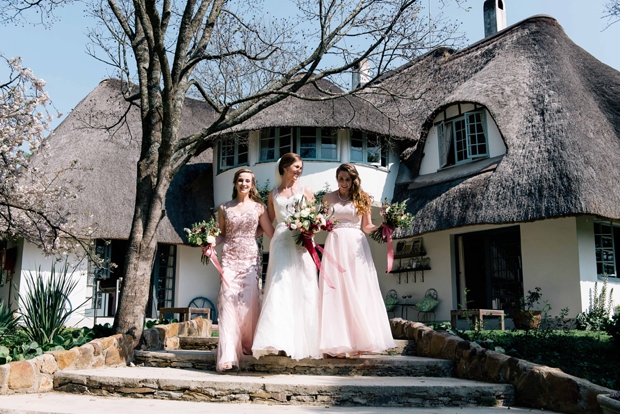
185	314
477	315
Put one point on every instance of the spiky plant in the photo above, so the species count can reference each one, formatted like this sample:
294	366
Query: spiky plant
8	320
45	306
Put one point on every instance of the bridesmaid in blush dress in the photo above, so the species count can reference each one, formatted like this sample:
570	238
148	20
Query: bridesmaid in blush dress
238	304
353	317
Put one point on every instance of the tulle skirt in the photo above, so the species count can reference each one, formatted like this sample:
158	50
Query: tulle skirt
353	317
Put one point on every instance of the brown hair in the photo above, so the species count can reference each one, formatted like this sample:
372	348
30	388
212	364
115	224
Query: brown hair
287	160
254	195
361	200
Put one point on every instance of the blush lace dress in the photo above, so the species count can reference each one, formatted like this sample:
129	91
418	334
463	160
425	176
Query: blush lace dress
289	319
353	316
238	304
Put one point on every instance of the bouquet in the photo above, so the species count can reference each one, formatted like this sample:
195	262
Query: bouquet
310	218
394	216
204	234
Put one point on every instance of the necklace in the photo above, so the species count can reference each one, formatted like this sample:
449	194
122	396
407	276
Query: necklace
341	199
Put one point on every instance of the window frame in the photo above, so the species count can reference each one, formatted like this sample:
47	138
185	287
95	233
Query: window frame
277	149
237	143
383	143
601	259
467	139
317	144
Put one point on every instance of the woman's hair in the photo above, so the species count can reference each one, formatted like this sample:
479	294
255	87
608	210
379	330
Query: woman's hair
254	195
287	160
361	200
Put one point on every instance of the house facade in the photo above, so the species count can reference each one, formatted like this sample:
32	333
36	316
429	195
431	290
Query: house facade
506	159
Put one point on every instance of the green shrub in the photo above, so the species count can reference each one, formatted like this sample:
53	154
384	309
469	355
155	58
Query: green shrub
597	315
8	321
45	306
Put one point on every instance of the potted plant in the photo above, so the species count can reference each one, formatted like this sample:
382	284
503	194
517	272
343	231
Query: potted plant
609	403
527	317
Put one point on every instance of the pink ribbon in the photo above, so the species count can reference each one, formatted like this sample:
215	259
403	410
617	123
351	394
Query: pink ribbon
209	251
387	232
311	247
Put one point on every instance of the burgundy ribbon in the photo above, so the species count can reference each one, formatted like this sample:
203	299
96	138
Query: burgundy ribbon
209	251
387	232
311	247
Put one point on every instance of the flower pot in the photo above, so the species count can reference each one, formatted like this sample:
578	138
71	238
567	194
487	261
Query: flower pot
527	319
608	405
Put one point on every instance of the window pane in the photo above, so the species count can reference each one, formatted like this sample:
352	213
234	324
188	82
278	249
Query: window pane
228	153
460	140
376	151
605	253
329	144
242	158
267	144
286	139
477	139
357	147
307	143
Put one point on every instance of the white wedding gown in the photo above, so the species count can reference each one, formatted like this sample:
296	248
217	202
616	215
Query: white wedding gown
289	318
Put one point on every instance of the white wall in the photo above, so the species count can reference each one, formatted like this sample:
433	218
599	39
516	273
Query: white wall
430	162
193	278
32	258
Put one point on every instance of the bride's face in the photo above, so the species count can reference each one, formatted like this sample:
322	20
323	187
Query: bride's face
244	183
293	171
344	182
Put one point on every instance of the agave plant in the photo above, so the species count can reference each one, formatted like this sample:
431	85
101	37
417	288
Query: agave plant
8	320
45	306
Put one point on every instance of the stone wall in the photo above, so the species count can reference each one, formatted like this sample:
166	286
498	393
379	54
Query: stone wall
536	386
36	375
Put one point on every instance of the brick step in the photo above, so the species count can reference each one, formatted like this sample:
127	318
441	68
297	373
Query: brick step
376	365
178	384
403	346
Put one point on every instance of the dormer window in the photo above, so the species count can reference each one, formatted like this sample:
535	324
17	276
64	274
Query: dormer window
462	139
368	148
233	152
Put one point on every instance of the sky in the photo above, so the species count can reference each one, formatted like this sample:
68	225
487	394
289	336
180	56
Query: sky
58	54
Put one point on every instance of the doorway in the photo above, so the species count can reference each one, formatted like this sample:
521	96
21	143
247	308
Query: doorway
489	267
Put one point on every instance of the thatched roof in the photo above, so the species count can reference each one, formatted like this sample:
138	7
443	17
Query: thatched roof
106	168
344	112
557	108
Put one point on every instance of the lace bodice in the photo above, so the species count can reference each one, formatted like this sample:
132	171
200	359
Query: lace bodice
347	216
284	206
242	225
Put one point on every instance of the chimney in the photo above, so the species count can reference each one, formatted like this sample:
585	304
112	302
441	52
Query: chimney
361	74
494	16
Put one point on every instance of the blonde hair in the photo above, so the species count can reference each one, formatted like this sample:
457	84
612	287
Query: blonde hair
254	195
361	200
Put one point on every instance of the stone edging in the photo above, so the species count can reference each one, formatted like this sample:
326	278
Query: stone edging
37	375
536	386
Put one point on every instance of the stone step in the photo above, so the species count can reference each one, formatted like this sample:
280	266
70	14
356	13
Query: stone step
377	365
190	385
403	346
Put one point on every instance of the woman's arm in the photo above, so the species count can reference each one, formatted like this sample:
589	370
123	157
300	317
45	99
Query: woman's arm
270	208
367	226
309	194
221	222
265	224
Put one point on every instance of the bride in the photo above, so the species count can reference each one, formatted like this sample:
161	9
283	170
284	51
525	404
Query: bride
289	318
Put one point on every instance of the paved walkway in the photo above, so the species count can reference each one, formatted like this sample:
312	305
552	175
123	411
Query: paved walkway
56	403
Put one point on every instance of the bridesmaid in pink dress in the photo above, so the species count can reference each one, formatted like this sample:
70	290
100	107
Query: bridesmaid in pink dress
238	304
353	317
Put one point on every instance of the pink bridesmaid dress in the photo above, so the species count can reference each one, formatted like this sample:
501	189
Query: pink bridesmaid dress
238	304
353	317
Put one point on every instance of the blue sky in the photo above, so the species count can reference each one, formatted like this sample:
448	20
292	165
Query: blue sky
58	54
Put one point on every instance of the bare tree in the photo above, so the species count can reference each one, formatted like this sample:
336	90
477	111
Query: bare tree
240	59
612	11
21	11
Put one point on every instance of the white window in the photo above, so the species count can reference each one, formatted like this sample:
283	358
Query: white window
462	139
275	142
607	244
233	152
318	143
367	148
